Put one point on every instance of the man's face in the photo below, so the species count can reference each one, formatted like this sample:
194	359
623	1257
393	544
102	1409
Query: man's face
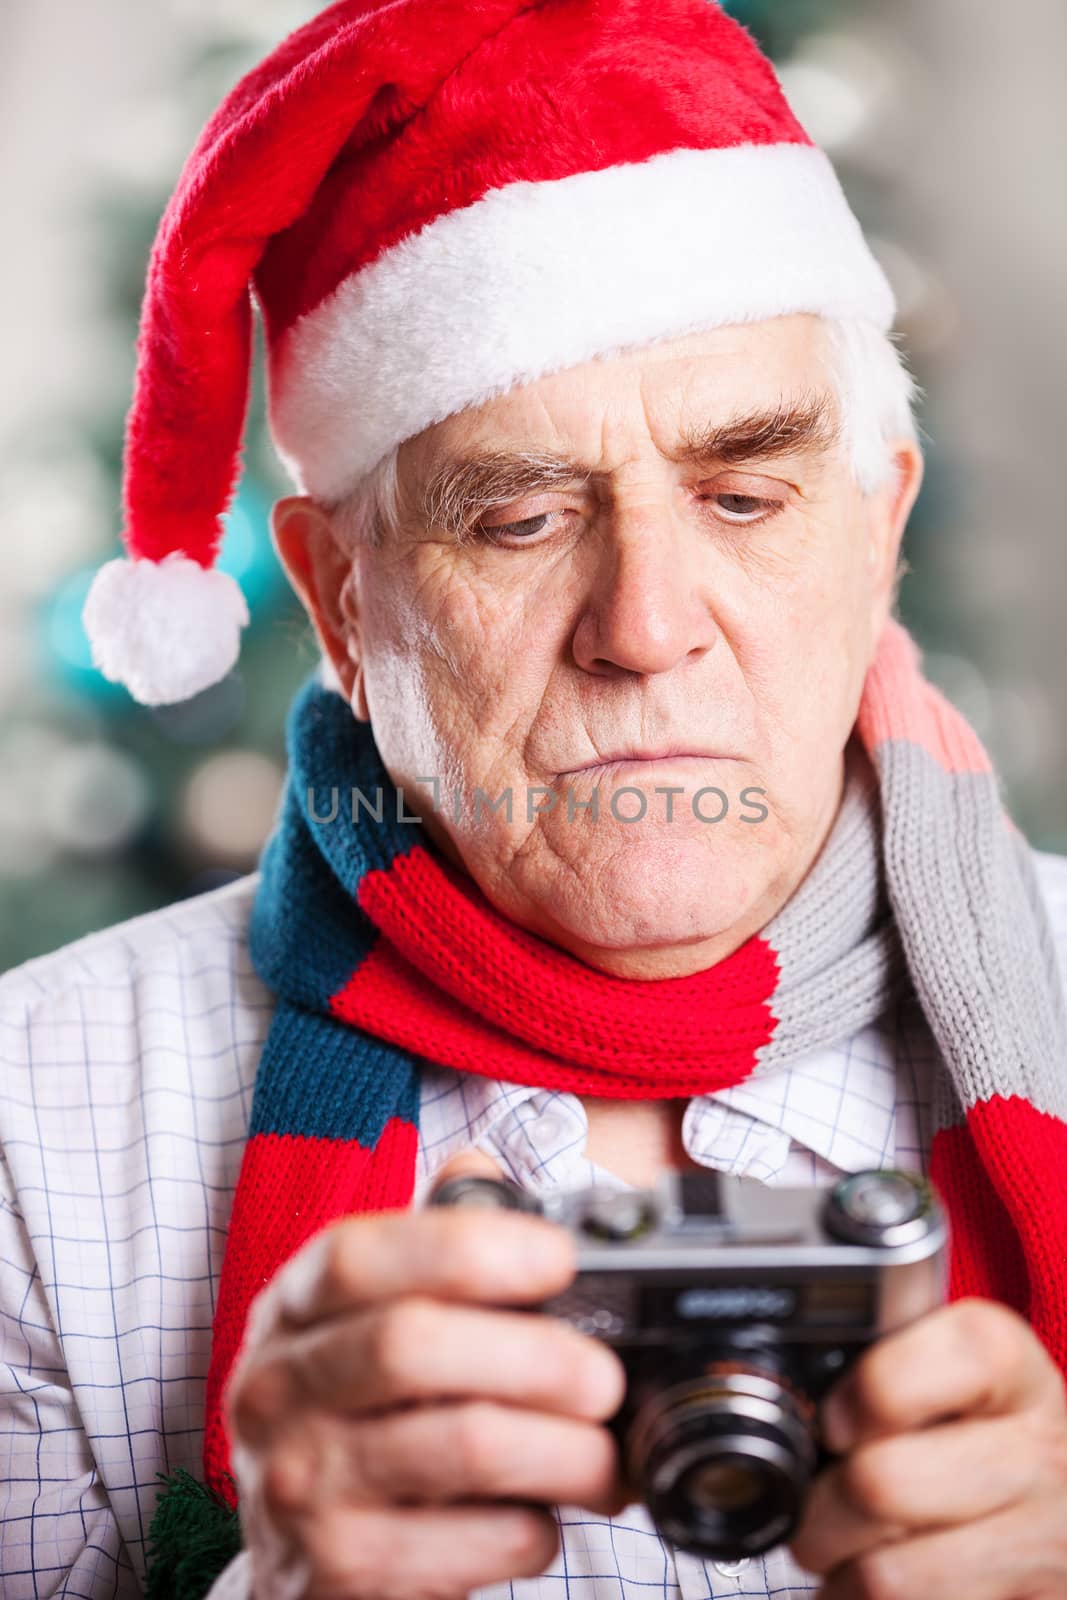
661	556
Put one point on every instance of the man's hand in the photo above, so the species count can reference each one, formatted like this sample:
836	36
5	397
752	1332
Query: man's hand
394	1433
953	1482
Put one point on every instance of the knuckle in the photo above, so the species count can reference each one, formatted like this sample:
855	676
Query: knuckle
256	1398
875	1481
477	1444
276	1486
988	1328
342	1259
401	1334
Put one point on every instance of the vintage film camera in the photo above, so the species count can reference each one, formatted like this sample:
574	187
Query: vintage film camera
734	1307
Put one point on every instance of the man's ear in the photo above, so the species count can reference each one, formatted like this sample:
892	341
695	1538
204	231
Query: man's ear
322	571
889	512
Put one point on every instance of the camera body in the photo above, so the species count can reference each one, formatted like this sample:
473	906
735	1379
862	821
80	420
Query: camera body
734	1307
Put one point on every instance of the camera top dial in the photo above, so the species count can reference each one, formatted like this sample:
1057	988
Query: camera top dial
885	1208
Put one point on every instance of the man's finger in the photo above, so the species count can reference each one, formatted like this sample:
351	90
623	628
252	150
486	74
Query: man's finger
1013	1553
885	1489
971	1357
394	1554
462	1450
497	1257
418	1349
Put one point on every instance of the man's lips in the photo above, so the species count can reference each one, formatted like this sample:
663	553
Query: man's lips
625	758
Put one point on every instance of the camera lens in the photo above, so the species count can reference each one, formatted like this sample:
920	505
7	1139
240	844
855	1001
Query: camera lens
723	1462
723	1485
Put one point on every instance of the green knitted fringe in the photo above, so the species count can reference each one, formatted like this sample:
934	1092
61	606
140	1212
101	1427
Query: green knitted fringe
193	1536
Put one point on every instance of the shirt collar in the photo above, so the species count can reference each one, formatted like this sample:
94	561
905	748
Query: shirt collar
838	1102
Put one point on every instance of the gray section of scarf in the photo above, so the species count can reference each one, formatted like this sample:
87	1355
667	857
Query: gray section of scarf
969	911
924	883
841	964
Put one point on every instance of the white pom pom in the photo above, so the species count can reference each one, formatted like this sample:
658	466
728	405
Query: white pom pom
166	629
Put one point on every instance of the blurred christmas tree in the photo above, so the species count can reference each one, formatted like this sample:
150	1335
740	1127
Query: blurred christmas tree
112	808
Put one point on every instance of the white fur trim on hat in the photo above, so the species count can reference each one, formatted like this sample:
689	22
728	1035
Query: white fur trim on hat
537	277
166	629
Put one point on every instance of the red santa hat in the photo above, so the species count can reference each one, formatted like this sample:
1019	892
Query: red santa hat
432	201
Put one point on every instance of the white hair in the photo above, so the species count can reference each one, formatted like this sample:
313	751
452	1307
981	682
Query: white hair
876	396
875	392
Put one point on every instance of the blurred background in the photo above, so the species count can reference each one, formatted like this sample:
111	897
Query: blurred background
946	122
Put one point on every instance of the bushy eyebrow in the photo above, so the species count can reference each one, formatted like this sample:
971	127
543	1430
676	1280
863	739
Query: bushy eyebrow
808	426
462	486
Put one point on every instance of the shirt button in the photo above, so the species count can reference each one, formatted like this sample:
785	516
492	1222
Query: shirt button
547	1128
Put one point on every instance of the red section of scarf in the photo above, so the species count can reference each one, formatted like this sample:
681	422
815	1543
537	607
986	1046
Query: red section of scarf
455	980
1003	1178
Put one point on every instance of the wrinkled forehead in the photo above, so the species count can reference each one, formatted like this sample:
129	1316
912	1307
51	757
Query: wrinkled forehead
771	379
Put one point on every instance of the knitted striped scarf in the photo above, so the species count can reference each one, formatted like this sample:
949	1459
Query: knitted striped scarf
382	954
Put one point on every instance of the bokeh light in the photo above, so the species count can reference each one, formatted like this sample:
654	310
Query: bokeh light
229	805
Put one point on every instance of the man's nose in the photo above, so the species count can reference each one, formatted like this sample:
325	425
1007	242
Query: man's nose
644	611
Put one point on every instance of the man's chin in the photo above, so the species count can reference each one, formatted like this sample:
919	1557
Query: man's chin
659	896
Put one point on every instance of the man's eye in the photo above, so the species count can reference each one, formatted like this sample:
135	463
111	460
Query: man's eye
744	507
515	532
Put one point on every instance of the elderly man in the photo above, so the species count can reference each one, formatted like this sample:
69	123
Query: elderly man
623	834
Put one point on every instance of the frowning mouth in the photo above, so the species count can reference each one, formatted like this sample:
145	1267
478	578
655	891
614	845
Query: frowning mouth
645	758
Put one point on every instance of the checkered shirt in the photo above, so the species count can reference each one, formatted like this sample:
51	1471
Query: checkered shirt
127	1063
